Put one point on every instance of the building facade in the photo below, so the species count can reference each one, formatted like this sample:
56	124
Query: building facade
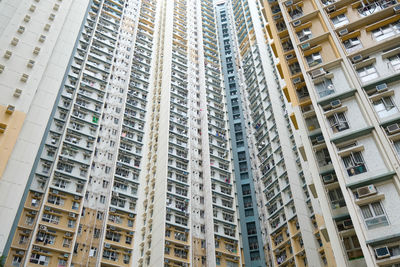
340	63
199	133
291	220
132	163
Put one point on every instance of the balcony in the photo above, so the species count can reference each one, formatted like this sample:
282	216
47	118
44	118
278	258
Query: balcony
368	9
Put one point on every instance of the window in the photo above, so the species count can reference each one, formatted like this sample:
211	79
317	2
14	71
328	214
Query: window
55	200
354	163
50	218
75	205
16	261
314	59
304	34
66	242
395	62
323	157
340	20
39	259
336	198
386	31
29	220
93	252
325	88
374	215
45	238
385	107
352	246
295	12
352	44
110	255
71	223
338	122
367	73
397	147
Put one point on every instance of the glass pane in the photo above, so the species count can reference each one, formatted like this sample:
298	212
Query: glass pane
366	212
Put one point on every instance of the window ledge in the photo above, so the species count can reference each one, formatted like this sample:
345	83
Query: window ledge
373	198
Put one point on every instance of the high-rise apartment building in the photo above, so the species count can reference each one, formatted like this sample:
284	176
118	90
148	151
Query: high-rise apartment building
340	61
160	133
290	220
133	166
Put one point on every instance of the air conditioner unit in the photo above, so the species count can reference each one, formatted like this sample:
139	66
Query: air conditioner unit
331	8
36	50
289	3
290	56
43	227
305	46
131	215
219	254
396	9
112	210
336	103
381	87
276	17
316	73
68	234
14	41
27	18
348	224
21	29
10	109
72	215
297	23
17	92
393	128
31	63
3	127
106	245
47	208
115	194
329	178
66	255
7	54
366	191
24	77
36	248
382	252
357	58
21	252
55	191
42	38
320	139
167	243
77	197
343	32
296	80
33	212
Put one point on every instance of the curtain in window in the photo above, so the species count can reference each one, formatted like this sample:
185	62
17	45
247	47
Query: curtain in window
366	212
377	208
